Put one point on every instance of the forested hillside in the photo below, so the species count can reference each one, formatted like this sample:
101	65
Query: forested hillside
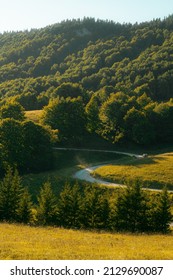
92	53
90	77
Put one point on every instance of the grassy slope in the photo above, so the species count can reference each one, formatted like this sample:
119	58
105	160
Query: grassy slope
34	115
66	163
25	243
154	171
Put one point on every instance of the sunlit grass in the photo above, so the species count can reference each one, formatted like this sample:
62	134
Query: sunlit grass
34	115
154	171
24	242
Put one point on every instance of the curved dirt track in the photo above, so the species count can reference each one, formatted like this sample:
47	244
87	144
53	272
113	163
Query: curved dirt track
86	173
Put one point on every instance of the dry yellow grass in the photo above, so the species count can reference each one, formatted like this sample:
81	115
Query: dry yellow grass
28	243
155	170
34	115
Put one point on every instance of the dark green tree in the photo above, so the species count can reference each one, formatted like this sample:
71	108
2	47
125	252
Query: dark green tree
111	116
138	127
69	206
47	205
68	90
12	110
27	145
131	210
10	195
11	139
94	209
164	122
68	116
24	212
37	143
161	213
92	113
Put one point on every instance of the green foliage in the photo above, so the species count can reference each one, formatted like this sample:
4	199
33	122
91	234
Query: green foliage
24	212
37	142
131	210
68	117
25	144
69	206
47	206
138	127
66	90
161	213
111	115
94	209
10	195
12	110
121	73
11	139
92	113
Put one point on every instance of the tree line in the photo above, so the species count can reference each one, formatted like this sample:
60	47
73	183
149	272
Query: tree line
116	117
129	210
72	119
23	143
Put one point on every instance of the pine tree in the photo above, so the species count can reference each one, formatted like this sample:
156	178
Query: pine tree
94	209
162	216
25	205
10	194
47	208
69	206
131	210
104	212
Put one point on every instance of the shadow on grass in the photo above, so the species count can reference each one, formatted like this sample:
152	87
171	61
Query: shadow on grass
133	161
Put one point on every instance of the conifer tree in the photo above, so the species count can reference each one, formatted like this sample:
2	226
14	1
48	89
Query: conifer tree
47	205
10	194
94	209
69	206
162	216
25	205
131	210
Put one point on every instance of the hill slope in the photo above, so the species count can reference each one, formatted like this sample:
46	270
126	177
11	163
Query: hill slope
114	74
29	243
92	53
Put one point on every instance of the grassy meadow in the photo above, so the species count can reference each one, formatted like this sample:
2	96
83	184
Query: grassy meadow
154	171
33	115
18	242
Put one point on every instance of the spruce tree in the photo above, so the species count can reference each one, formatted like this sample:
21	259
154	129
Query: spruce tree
10	195
25	205
131	210
69	206
94	208
162	216
47	208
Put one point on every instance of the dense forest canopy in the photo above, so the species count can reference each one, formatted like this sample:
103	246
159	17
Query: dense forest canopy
89	52
90	77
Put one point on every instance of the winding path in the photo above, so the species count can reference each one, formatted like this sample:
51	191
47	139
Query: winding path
86	173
